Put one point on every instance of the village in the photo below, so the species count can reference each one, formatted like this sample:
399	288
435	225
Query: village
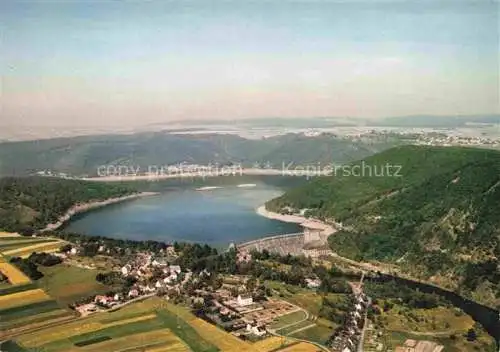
234	303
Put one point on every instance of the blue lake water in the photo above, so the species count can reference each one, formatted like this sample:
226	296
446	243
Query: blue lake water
216	217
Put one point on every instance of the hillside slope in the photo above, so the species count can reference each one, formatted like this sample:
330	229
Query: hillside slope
439	220
30	203
83	155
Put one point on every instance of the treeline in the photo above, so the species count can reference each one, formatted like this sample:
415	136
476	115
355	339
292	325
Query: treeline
30	203
115	280
117	247
288	259
336	310
411	298
198	257
29	265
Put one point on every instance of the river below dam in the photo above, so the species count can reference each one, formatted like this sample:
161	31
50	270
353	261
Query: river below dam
213	215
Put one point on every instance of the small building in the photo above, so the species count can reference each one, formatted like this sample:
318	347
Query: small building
255	330
244	300
103	299
126	269
159	262
133	293
175	269
313	283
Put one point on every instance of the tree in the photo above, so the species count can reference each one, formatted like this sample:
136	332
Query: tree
251	284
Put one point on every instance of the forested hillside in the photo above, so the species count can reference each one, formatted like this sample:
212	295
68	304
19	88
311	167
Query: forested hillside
440	220
83	155
32	202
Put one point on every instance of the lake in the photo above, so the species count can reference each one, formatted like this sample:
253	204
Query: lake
216	216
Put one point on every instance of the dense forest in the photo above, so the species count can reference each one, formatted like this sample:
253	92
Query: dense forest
438	219
30	203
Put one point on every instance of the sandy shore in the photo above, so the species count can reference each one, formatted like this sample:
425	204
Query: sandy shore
84	207
297	219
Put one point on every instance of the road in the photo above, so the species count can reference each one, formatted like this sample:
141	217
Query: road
365	326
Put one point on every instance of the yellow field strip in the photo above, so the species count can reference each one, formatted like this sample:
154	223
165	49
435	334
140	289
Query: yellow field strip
178	347
28	327
130	320
269	344
301	347
23	298
9	234
15	275
224	341
74	328
39	247
23	241
129	343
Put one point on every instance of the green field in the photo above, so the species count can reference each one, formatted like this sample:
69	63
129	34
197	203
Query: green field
320	333
304	298
17	288
68	284
185	332
11	346
287	319
290	329
12	314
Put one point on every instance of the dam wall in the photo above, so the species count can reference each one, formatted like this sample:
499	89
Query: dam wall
282	244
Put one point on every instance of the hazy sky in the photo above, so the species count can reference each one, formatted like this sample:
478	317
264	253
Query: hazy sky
110	63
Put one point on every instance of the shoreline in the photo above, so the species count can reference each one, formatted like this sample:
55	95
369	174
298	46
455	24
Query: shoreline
297	219
86	207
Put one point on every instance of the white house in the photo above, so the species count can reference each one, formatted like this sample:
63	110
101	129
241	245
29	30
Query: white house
133	293
159	262
175	269
244	300
170	278
255	330
126	269
313	283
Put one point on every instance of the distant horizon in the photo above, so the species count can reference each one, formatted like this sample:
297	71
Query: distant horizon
194	120
128	64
